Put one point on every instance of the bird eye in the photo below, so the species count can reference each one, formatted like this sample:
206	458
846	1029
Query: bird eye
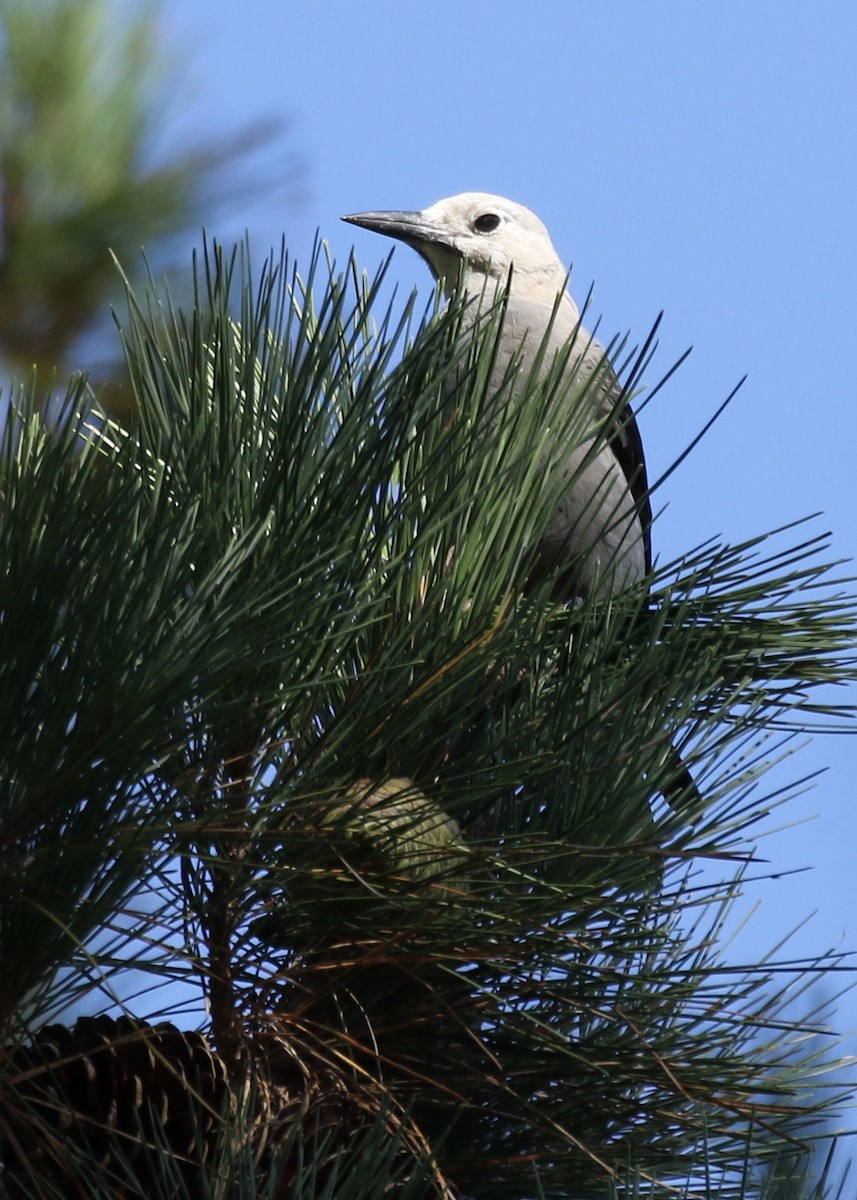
487	223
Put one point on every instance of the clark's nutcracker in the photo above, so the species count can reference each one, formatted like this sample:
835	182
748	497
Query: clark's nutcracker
600	537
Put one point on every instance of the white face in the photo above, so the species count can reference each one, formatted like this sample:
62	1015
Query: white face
481	238
492	235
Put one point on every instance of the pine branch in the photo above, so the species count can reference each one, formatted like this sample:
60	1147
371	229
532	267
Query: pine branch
231	634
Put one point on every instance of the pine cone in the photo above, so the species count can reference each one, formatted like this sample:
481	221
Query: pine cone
109	1088
122	1109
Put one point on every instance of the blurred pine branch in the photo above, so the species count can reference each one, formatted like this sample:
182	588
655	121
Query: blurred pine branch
84	172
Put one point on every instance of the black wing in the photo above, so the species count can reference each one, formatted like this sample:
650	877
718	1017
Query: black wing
627	445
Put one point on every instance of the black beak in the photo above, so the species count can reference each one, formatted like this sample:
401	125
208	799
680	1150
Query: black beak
409	227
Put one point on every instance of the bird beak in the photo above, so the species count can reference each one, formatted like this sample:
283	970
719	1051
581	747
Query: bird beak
409	227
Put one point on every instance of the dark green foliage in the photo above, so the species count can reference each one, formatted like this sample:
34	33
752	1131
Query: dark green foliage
225	635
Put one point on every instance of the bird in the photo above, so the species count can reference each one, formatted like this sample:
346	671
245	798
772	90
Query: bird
598	540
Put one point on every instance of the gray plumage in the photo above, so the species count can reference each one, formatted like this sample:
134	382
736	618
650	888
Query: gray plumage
599	538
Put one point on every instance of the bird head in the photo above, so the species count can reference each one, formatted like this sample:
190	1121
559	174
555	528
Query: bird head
480	238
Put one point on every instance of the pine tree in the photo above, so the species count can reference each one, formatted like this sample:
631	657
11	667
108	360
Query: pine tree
282	729
83	172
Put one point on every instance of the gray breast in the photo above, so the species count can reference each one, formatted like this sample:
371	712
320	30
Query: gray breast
595	541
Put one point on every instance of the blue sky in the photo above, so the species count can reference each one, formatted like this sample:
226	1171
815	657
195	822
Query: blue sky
690	157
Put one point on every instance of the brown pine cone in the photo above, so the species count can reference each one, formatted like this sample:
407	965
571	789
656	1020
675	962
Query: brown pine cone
120	1109
110	1088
